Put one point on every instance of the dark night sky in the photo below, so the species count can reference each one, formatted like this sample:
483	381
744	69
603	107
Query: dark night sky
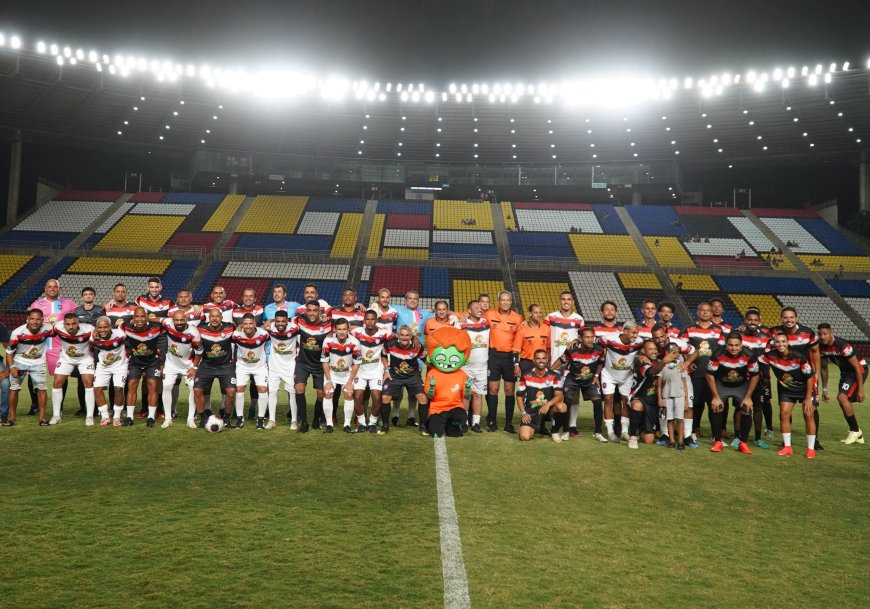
434	40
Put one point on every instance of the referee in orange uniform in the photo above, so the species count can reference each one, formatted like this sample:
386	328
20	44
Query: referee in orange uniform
532	335
504	324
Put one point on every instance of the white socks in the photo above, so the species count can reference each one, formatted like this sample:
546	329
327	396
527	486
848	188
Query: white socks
56	401
687	423
608	424
811	442
89	402
786	439
573	411
625	421
152	412
475	419
348	412
327	411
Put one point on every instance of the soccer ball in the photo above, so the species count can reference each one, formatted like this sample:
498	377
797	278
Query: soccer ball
214	424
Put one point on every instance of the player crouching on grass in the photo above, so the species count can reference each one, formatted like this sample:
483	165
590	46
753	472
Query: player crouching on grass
539	392
644	399
447	385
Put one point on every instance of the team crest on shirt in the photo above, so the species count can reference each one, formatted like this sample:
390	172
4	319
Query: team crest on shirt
704	349
310	344
563	341
340	365
173	350
404	368
215	352
32	354
369	357
621	364
72	352
540	399
250	358
787	380
110	359
732	377
282	348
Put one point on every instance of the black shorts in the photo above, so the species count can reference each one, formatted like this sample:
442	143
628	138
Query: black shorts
302	373
736	393
526	366
205	376
589	391
650	420
136	372
535	423
849	386
500	366
394	386
794	397
761	395
701	393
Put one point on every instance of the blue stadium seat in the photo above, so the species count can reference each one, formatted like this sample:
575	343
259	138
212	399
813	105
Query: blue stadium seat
25	273
540	245
208	280
609	221
850	287
657	220
306	243
830	237
336	205
47	237
767	285
460	249
192	197
436	280
404	207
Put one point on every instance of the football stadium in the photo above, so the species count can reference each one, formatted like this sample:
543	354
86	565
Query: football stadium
404	305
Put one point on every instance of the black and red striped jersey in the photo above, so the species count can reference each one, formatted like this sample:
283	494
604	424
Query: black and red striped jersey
387	318
619	357
603	331
143	344
644	330
124	312
181	346
403	360
563	331
193	315
478	332
159	308
74	346
112	350
582	365
802	339
340	356
311	337
325	310
372	346
839	352
792	373
226	309
217	345
732	370
705	340
536	390
354	317
725	326
251	350
29	347
756	341
240	311
644	386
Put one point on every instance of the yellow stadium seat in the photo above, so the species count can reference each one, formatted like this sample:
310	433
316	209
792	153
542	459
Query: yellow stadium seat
344	245
223	214
376	236
405	253
273	214
11	264
121	266
448	215
639	281
611	250
670	252
545	294
831	264
465	290
765	303
507	210
140	233
695	282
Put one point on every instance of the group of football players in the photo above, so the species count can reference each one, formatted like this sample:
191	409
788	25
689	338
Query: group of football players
648	381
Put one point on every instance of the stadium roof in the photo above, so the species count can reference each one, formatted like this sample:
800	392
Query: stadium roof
67	94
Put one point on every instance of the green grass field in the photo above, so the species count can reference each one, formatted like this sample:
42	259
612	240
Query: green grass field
137	517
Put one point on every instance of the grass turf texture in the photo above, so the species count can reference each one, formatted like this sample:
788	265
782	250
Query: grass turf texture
275	519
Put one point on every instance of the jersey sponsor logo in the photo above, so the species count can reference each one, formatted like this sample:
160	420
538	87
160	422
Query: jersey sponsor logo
415	330
621	364
250	358
584	374
340	365
72	352
479	342
311	344
404	368
142	350
369	357
787	380
110	359
215	352
563	340
704	349
173	350
732	377
33	353
282	348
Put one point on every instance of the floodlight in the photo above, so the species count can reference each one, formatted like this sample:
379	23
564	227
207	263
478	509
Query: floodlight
54	50
827	77
2	39
786	83
59	60
464	88
67	52
846	66
429	97
818	68
382	96
813	80
687	84
15	42
80	54
444	96
452	88
751	76
99	67
832	67
106	58
805	70
404	96
112	71
40	47
484	88
120	133
93	57
73	61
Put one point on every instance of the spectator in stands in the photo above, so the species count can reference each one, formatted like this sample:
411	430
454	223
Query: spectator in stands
656	242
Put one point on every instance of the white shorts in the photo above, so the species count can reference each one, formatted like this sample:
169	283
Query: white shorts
676	407
65	368
373	384
36	372
276	377
171	374
116	376
609	385
478	379
339	378
244	374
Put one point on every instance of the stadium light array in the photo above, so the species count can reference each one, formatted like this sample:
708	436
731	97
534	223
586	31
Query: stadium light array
282	84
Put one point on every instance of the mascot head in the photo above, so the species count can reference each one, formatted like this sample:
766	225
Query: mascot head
448	349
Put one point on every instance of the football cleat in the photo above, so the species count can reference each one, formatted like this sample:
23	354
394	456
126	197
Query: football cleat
270	424
476	428
760	443
261	424
361	429
89	421
294	426
743	448
116	423
599	437
303	427
105	421
191	423
329	429
785	451
347	429
573	432
663	440
632	442
149	422
167	423
128	422
811	453
557	439
411	422
55	420
717	447
735	443
612	437
854	437
509	429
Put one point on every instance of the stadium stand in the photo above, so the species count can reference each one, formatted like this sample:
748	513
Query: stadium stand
611	250
346	237
224	213
850	287
830	237
669	252
789	230
461	215
609	220
834	264
273	214
657	220
140	233
71	194
592	288
63	216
